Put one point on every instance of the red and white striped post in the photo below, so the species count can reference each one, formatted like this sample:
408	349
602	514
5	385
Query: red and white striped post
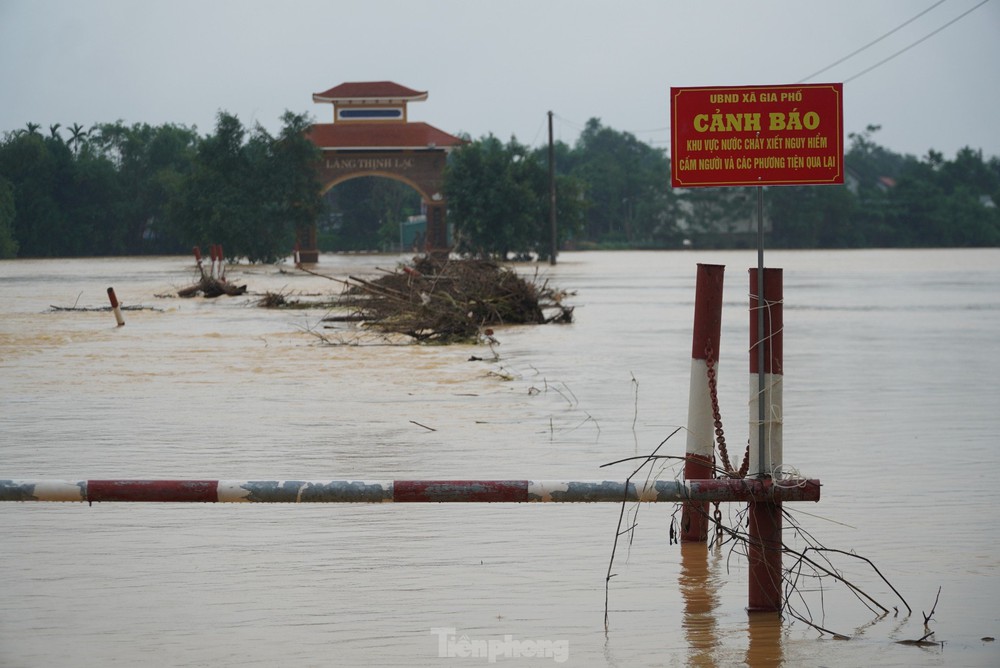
699	458
764	548
116	307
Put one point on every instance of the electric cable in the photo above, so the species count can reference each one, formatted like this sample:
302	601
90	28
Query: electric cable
922	39
870	44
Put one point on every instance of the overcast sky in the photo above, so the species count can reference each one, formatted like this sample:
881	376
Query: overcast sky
497	66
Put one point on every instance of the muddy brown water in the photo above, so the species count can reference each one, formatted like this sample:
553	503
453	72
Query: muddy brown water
892	399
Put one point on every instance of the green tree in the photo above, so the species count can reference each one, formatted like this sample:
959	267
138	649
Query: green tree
211	201
40	171
495	197
149	163
161	167
96	206
872	169
812	217
720	217
571	213
77	137
871	161
291	173
571	201
946	203
626	186
250	193
8	242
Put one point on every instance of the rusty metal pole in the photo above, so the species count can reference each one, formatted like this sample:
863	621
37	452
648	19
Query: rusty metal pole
764	549
701	427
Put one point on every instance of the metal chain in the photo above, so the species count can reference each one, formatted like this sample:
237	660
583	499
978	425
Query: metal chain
720	435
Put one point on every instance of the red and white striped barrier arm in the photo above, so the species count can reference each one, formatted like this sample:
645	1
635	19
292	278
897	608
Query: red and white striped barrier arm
406	491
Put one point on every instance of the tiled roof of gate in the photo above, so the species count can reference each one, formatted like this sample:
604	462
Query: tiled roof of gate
382	136
369	91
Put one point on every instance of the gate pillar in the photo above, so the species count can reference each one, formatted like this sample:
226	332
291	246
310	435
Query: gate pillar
306	246
436	241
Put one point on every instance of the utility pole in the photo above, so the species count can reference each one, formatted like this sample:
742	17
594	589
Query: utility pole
552	196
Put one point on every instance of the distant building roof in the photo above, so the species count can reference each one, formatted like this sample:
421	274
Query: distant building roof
370	91
382	136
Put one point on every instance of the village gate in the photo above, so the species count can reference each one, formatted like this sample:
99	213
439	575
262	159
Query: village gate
371	136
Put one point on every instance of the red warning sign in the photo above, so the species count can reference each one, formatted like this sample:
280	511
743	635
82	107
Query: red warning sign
757	135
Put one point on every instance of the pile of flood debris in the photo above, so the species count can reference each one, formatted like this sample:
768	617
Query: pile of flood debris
212	283
446	301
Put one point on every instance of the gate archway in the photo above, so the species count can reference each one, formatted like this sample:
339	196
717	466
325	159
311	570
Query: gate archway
372	211
371	136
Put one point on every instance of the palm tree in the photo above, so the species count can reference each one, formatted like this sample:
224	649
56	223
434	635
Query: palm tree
33	128
54	130
77	136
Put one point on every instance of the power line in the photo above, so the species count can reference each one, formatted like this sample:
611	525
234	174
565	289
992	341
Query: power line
870	44
537	132
925	37
568	121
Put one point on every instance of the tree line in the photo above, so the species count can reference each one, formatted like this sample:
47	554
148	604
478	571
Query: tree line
118	189
614	192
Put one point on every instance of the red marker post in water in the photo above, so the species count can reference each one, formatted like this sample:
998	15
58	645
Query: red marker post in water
702	424
116	307
764	546
214	255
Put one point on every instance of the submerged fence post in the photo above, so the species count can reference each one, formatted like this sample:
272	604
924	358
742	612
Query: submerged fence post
116	307
701	427
764	548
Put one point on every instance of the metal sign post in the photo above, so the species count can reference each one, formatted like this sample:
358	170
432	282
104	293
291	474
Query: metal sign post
763	467
729	136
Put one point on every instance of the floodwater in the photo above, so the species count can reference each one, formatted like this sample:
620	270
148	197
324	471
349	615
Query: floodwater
892	399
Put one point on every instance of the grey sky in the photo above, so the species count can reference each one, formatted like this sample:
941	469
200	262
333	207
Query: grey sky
498	66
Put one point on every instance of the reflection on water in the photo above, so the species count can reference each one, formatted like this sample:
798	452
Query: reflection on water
889	400
701	580
699	583
764	631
